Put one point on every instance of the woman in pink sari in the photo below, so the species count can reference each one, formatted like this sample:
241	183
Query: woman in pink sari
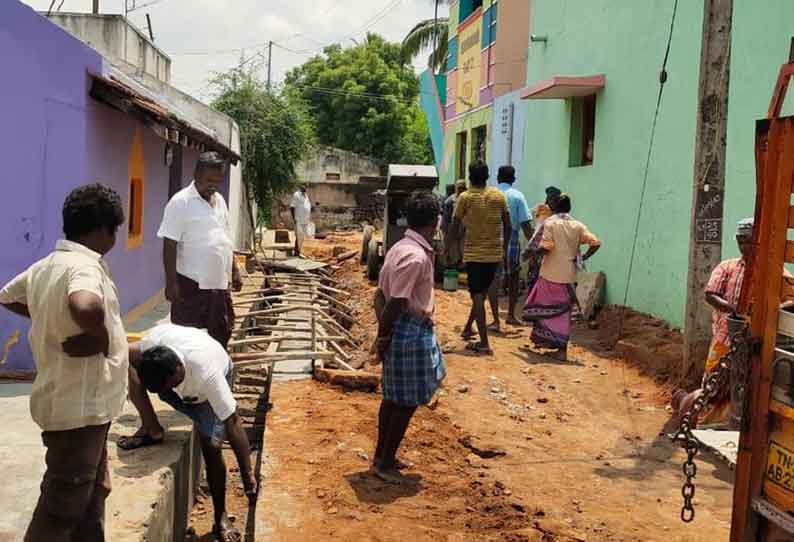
551	300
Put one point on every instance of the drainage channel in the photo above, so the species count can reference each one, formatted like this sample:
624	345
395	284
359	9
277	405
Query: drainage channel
292	321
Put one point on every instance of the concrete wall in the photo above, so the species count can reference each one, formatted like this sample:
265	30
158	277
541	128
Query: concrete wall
116	39
507	140
464	123
62	139
328	160
588	37
512	41
431	104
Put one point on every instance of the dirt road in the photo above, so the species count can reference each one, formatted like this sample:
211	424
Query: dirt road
520	448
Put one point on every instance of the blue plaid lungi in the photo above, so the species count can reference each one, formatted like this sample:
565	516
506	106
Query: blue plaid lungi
413	367
513	256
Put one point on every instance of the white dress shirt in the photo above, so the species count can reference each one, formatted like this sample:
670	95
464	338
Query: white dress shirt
302	206
206	365
68	392
203	234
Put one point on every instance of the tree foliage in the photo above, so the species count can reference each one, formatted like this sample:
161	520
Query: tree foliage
424	36
365	99
276	132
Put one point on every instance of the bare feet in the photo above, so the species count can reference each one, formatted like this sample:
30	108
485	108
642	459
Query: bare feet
224	532
479	348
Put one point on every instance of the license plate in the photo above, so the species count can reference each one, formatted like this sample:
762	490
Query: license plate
780	466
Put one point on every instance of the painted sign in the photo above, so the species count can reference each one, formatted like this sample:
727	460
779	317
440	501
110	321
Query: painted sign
468	96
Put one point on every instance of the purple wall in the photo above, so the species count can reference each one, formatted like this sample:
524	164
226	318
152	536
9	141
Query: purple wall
57	137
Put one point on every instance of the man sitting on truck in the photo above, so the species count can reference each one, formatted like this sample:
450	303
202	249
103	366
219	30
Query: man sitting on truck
722	293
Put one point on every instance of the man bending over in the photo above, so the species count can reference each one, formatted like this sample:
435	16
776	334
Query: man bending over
191	371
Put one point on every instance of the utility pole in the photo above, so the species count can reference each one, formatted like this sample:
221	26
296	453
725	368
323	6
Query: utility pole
269	62
149	24
95	9
435	40
708	189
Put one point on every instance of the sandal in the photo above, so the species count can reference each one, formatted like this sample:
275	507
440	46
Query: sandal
133	442
229	534
479	349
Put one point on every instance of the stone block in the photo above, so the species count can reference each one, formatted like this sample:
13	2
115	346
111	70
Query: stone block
589	292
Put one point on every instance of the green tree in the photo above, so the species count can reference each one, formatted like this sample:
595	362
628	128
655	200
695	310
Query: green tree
423	36
276	132
364	99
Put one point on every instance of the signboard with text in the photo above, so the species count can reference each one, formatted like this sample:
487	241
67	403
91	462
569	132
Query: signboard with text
469	45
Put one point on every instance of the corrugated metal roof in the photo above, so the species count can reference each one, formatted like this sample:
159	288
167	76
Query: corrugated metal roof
408	170
129	96
406	178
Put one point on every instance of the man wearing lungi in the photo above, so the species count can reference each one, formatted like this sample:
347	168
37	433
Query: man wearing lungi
413	366
520	221
198	254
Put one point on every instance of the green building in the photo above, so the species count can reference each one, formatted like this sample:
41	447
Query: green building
592	84
583	108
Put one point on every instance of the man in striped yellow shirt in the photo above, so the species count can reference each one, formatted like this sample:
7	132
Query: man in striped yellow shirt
482	211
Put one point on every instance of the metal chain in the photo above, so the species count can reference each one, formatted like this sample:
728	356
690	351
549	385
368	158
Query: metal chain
713	385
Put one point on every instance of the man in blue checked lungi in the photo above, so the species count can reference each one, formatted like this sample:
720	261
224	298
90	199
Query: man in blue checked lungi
413	367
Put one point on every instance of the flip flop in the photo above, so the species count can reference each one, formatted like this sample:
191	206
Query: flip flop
229	535
475	347
133	442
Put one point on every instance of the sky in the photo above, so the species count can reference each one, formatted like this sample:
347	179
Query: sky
204	37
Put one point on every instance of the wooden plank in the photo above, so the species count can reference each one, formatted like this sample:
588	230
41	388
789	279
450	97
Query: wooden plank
791	217
283	356
277	310
789	252
768	259
338	349
295	335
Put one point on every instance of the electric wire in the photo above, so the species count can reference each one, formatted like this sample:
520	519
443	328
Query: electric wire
622	313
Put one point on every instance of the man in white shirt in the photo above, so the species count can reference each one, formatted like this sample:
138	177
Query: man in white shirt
301	209
80	349
191	372
198	253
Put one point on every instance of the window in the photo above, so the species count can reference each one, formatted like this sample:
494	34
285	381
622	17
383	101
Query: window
462	151
489	26
582	141
135	213
467	7
480	136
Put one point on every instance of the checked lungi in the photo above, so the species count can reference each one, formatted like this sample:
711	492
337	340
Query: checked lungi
513	257
413	366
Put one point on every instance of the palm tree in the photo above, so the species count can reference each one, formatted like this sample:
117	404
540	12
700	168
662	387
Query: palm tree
432	33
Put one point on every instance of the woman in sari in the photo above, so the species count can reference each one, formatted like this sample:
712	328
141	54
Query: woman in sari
540	213
553	296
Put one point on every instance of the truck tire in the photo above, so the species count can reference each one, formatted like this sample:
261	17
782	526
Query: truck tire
373	260
366	238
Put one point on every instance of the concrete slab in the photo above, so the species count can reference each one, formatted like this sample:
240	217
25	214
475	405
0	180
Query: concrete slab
723	443
151	487
160	314
22	461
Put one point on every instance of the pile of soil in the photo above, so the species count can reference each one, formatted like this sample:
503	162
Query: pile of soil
640	340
